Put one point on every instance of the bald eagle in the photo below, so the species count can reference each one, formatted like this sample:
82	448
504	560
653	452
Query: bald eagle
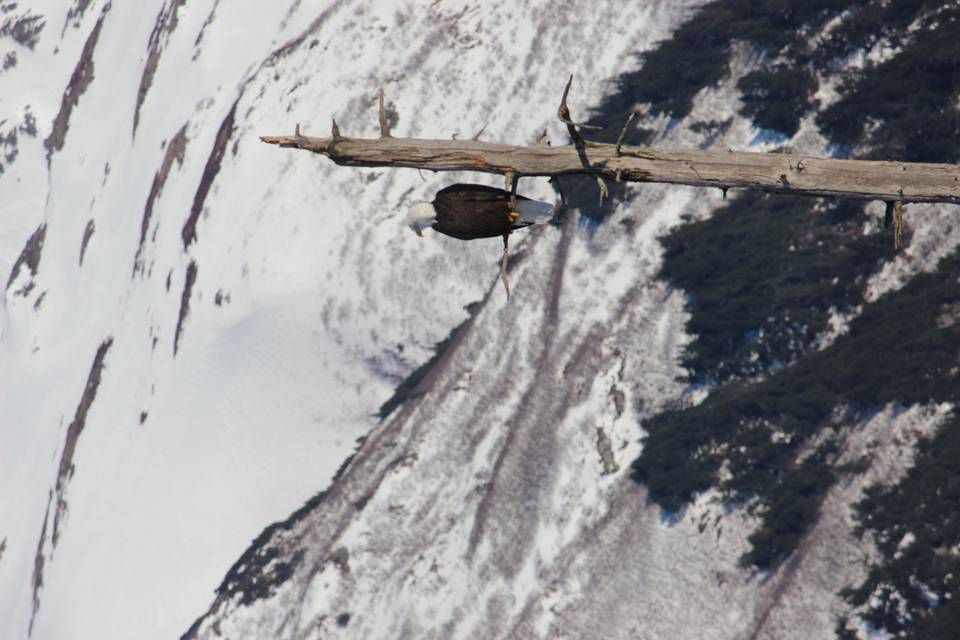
471	211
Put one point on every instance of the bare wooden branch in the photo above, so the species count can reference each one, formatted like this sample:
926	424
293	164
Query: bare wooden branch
897	223
563	112
603	189
894	214
623	132
512	180
779	173
504	264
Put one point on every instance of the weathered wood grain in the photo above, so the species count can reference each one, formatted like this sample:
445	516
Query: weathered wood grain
781	173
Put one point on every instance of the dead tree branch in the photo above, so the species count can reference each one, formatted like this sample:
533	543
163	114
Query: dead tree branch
780	173
623	132
889	181
563	112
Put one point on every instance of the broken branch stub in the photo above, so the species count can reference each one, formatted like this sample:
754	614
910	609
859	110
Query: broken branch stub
623	132
563	112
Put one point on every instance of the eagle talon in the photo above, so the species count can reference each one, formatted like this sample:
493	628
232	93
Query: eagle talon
513	215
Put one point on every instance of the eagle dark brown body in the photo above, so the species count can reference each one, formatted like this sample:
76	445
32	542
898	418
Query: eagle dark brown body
471	211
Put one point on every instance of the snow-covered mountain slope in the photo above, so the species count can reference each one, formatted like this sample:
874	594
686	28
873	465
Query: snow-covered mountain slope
497	504
197	327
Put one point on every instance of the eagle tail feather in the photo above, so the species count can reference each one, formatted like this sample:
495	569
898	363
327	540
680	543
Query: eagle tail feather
534	212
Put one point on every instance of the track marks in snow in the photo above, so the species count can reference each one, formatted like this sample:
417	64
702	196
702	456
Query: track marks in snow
87	234
29	258
80	79
292	45
75	13
188	282
65	471
514	482
203	29
210	172
176	148
36	582
165	25
24	29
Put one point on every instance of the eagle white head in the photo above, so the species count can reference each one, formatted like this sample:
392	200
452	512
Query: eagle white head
421	216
